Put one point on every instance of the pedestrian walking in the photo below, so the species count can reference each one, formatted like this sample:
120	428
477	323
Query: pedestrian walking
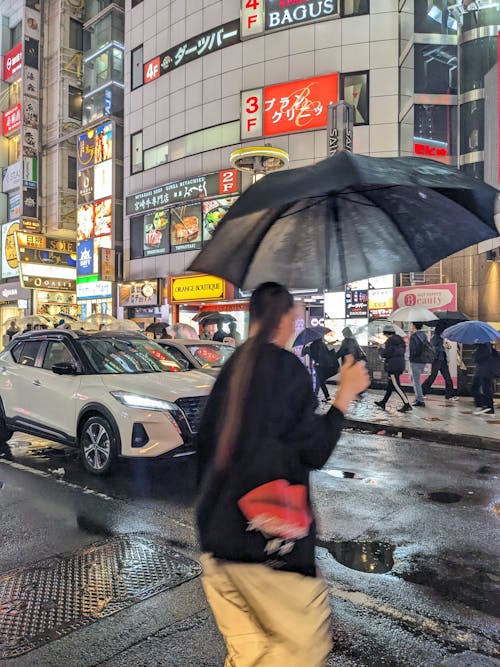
234	333
421	353
439	365
12	330
350	346
483	386
393	352
258	440
220	334
325	365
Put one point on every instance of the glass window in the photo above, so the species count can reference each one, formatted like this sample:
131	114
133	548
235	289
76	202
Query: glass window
136	153
472	127
137	67
204	140
405	25
106	102
436	69
75	35
15	93
136	2
211	356
354	88
75	102
435	130
71	173
57	353
126	356
406	79
137	237
475	170
16	352
355	7
156	156
16	35
93	7
477	57
29	353
433	16
110	28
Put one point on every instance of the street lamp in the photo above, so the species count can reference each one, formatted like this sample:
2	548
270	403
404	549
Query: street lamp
259	160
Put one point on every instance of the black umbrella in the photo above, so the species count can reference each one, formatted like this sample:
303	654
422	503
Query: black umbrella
348	218
309	334
156	327
204	313
215	318
449	317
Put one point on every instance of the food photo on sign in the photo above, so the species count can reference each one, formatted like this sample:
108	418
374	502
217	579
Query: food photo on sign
103	143
213	212
85	221
185	227
156	233
103	217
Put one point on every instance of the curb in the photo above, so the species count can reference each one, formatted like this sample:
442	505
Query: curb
455	439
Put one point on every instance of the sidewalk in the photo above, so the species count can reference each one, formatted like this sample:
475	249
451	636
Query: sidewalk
451	422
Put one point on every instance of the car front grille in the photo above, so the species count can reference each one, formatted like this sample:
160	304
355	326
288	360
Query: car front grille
193	409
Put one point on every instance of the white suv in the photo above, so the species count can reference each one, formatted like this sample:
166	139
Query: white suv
112	395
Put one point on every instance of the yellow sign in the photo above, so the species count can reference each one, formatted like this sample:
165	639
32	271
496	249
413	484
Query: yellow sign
196	288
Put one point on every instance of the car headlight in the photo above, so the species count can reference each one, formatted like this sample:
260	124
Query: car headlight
143	402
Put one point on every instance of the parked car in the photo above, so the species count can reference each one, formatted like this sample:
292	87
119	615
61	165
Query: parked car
204	355
110	394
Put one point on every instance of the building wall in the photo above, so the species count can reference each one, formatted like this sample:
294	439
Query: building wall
206	92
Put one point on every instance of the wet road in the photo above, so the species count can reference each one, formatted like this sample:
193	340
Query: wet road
413	575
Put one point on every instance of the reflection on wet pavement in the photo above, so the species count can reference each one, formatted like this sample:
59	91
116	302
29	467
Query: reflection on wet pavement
369	557
444	497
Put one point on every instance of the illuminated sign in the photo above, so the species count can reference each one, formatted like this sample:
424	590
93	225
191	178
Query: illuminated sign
12	62
380	303
222	182
107	264
430	148
12	177
196	288
26	239
85	258
11	119
93	288
185	228
95	146
10	261
47	269
432	297
152	70
141	293
284	13
288	107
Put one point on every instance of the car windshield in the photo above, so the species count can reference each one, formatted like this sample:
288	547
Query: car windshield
211	356
127	355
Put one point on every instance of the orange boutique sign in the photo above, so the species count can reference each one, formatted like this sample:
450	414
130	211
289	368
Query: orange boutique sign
198	287
288	107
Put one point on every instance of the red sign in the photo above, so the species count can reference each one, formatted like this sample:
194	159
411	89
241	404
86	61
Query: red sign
430	149
228	181
299	105
152	70
432	297
12	62
11	119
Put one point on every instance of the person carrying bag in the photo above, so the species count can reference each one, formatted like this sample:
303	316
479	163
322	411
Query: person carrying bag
258	440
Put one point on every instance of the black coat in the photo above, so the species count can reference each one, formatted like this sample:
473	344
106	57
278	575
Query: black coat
350	346
281	436
394	354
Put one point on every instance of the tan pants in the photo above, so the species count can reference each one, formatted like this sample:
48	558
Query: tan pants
268	618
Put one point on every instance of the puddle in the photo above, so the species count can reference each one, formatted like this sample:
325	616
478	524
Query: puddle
486	470
343	474
369	557
444	497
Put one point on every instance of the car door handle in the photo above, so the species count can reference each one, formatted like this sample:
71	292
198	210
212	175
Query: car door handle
37	383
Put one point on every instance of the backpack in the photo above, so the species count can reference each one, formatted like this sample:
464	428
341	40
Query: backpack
427	353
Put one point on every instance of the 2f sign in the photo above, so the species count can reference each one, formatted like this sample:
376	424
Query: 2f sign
252	18
251	113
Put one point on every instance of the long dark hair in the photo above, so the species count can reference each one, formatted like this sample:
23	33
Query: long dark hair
269	302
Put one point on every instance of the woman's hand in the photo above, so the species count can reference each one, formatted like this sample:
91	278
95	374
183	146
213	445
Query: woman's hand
354	379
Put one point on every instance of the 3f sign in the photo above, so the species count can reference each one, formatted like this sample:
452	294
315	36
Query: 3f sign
251	114
252	17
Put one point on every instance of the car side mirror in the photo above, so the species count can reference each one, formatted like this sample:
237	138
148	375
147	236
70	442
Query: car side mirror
65	368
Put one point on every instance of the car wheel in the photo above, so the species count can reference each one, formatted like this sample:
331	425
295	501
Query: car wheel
98	445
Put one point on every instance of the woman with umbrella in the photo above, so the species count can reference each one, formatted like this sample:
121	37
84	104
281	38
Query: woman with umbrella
440	364
258	440
393	352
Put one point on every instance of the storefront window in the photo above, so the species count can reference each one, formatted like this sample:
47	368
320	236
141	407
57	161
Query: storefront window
436	69
472	127
477	57
433	16
434	130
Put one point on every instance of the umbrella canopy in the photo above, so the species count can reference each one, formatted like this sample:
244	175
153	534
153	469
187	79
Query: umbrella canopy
412	314
471	332
33	320
447	318
204	313
157	327
376	327
309	334
122	325
348	218
215	318
182	331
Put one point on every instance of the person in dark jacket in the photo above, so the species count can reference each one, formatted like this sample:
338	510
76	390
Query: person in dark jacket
483	386
325	365
440	365
258	440
351	346
12	330
417	338
220	334
394	354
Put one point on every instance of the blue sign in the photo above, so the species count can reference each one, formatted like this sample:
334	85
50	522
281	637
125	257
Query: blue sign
85	261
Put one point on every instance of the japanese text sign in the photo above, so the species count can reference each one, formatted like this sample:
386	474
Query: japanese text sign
11	119
288	107
193	48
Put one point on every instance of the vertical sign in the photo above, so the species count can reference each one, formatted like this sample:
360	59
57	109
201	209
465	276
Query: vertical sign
252	18
339	133
251	113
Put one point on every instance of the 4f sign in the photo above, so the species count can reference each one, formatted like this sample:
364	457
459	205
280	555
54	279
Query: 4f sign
152	70
252	18
251	113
